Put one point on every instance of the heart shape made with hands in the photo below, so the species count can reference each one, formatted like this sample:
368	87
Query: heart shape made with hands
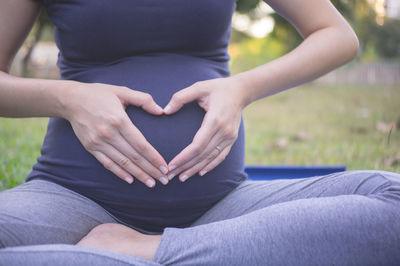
111	137
218	131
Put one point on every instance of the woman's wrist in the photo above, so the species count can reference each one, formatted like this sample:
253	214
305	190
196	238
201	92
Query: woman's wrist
63	96
29	97
55	96
244	89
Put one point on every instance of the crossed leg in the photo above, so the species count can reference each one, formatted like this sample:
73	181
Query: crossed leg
349	218
40	223
42	212
345	218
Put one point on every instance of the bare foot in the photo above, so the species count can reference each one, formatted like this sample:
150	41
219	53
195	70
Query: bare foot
122	239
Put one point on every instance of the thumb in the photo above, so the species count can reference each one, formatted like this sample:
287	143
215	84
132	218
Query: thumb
143	100
181	98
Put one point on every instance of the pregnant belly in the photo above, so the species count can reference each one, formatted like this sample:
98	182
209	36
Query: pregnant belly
65	161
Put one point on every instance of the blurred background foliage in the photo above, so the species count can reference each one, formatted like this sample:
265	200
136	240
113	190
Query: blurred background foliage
377	39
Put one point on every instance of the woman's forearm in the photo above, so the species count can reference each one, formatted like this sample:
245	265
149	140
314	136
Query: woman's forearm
27	97
321	52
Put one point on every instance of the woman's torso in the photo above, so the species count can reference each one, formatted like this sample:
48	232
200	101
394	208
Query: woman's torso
155	46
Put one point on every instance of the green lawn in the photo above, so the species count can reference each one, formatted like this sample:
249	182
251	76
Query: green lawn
318	125
20	141
309	125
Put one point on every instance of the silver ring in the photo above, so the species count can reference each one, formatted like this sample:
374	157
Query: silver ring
218	148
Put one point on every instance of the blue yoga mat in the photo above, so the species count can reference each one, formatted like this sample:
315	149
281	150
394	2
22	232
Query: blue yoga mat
290	172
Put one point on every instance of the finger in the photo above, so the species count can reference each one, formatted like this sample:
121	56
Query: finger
224	140
114	168
136	140
200	142
198	166
143	100
203	161
129	152
182	97
124	163
214	163
192	167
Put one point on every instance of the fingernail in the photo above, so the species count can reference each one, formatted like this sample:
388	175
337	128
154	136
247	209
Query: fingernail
158	108
183	178
202	173
171	176
172	167
150	183
167	108
164	169
164	180
129	180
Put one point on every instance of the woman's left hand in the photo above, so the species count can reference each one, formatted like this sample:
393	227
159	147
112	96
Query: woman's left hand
223	101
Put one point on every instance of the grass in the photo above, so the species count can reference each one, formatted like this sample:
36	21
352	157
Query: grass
20	141
319	125
310	125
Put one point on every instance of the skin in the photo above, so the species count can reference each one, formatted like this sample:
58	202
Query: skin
328	43
121	239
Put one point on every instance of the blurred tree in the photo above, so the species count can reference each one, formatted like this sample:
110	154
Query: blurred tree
387	38
384	39
359	13
244	6
42	22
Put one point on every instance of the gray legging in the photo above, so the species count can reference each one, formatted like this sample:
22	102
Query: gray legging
348	218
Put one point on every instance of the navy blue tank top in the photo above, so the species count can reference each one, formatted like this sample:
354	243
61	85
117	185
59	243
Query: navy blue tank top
158	47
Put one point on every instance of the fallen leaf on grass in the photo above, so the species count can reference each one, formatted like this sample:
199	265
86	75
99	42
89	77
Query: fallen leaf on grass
302	136
393	160
359	130
384	127
280	143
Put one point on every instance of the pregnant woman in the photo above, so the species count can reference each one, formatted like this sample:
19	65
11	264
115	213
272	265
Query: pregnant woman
143	160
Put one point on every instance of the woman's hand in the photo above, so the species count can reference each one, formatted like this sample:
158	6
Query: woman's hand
223	101
97	114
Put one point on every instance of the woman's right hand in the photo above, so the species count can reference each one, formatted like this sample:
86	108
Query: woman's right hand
97	114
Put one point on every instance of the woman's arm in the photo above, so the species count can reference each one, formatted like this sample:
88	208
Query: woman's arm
21	97
328	43
106	132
